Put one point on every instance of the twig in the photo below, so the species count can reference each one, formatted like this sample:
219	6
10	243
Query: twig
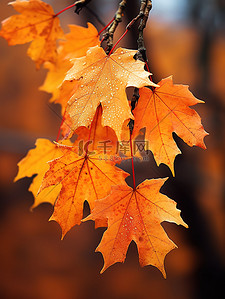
145	8
128	27
134	101
80	4
112	28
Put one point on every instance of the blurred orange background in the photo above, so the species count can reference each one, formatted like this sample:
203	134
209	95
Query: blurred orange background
185	39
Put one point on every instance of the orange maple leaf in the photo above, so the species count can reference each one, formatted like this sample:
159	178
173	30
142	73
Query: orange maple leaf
82	178
102	139
54	78
76	44
37	23
165	110
97	137
136	215
35	162
103	79
79	40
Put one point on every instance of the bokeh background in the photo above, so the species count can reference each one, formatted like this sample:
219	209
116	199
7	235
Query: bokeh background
183	38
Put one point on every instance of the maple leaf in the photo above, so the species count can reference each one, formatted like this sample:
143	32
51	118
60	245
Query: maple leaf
165	110
136	215
97	135
103	79
36	163
54	78
76	44
82	178
102	139
79	40
37	23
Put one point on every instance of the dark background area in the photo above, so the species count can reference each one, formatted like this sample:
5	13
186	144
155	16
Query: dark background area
186	39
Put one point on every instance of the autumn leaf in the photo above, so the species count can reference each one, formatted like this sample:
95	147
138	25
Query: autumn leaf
54	78
36	23
83	178
75	44
79	40
163	111
103	79
136	215
36	163
102	139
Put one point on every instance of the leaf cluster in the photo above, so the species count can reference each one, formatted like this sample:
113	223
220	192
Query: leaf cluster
90	85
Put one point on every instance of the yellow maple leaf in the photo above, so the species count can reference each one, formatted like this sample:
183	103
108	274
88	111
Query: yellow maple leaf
35	162
75	44
36	23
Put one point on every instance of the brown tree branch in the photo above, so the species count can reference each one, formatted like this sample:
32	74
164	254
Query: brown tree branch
80	4
145	9
108	36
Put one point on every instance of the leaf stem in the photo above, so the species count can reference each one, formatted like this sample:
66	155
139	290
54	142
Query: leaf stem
66	8
132	162
112	27
147	67
89	136
106	27
122	36
102	39
59	131
128	27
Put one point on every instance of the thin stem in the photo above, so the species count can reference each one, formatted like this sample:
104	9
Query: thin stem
102	39
112	28
105	27
132	162
66	8
59	131
128	27
147	67
122	36
89	138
